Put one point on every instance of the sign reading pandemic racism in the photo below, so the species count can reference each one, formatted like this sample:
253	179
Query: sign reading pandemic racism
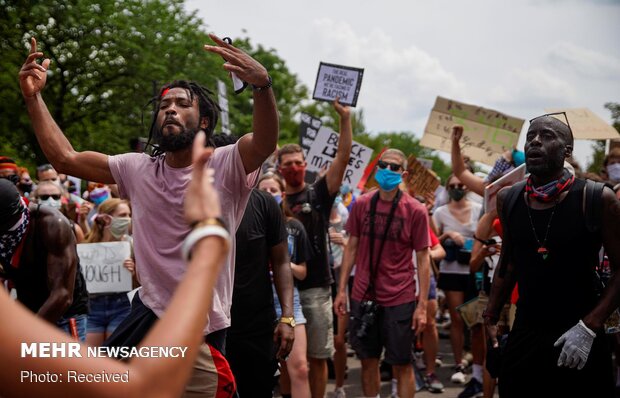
102	266
339	81
585	124
323	152
486	132
420	180
308	129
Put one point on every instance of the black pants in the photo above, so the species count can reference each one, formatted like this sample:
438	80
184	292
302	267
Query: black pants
252	359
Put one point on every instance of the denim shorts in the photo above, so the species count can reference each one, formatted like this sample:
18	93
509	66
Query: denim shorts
81	322
107	311
297	312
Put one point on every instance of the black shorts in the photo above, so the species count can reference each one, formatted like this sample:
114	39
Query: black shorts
453	282
391	329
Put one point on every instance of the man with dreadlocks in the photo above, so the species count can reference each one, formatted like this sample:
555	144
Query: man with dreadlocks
156	186
554	225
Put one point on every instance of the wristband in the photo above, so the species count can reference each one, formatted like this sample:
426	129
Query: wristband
265	87
201	233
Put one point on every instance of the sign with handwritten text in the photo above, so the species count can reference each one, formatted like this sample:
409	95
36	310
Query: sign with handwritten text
102	266
339	81
420	180
586	125
486	132
323	152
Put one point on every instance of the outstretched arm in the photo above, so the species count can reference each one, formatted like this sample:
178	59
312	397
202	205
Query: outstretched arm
92	166
258	145
336	170
181	325
473	182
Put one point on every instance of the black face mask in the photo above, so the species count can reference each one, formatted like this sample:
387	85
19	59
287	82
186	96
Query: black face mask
14	178
456	194
25	188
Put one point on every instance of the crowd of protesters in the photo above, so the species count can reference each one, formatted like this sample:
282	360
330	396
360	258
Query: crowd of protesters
315	266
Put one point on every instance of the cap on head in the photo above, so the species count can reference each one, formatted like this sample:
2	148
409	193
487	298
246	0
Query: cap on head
10	201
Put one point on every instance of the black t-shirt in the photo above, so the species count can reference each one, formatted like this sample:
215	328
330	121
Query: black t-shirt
312	207
261	228
299	246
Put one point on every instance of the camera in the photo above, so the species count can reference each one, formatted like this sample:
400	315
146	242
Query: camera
368	315
306	208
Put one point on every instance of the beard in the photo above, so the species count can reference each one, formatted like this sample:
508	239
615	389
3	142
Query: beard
176	142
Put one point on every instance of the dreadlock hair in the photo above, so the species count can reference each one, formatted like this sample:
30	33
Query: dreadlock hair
207	106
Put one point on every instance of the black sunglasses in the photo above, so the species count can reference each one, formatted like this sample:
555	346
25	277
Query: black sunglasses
46	197
393	166
554	114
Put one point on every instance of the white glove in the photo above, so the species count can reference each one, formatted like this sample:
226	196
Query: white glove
577	343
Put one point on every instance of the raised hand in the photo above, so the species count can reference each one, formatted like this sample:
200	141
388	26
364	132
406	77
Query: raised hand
239	62
32	76
457	133
343	111
201	199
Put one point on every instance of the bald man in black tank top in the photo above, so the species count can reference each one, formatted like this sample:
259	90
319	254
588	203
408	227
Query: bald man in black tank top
557	337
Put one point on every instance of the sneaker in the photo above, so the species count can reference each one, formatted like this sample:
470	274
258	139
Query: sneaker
419	360
459	375
432	383
472	389
339	393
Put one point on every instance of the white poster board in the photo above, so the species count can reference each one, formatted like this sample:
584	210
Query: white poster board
486	133
338	81
102	266
323	151
491	190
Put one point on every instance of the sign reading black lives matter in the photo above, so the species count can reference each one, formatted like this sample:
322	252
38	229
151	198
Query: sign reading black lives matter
338	81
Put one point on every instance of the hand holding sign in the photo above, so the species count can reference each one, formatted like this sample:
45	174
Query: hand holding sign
457	133
343	111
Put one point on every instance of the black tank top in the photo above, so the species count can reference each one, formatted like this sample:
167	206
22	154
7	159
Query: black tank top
558	291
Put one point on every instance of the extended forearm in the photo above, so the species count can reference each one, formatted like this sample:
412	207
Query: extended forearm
53	142
424	275
606	305
345	141
299	271
501	290
265	122
56	305
348	259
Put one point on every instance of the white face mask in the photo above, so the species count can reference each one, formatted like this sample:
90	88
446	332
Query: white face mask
119	226
51	202
613	170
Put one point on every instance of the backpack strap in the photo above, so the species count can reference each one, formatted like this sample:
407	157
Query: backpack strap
510	200
593	205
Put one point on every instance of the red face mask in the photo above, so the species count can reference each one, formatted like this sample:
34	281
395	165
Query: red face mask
294	175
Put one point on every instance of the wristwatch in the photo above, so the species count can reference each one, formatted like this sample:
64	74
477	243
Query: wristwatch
289	320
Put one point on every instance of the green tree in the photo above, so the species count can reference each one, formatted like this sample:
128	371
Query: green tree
598	147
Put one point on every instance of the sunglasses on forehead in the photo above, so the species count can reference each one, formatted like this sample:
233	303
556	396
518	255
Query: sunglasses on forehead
555	114
393	166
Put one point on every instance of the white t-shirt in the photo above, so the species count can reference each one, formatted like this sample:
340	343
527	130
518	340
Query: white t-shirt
445	221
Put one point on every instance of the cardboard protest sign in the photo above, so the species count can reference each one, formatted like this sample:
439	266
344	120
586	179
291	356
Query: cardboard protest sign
102	266
585	124
486	132
308	129
491	190
338	81
323	152
420	180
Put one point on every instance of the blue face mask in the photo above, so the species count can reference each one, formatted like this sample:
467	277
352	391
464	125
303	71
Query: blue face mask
388	179
278	198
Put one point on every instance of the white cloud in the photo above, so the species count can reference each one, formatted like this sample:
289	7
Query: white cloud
400	83
585	62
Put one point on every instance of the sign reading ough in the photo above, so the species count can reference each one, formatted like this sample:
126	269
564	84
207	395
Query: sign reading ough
486	133
338	81
102	266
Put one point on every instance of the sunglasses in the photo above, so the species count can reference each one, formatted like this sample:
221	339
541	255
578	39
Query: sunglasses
46	197
457	186
554	114
393	166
